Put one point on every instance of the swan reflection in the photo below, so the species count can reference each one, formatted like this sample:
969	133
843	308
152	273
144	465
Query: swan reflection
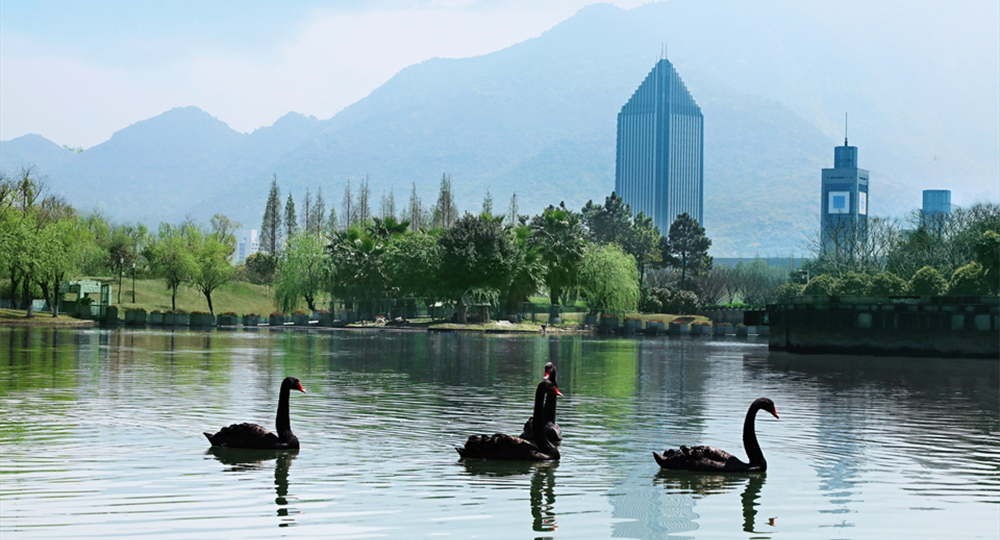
701	485
243	460
543	482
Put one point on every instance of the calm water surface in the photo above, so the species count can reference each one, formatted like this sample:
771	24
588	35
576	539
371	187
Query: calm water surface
100	435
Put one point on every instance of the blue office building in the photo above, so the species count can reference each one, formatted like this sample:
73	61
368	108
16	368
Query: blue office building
844	203
660	155
936	202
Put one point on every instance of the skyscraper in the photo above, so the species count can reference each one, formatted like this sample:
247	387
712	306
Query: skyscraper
844	202
660	154
936	202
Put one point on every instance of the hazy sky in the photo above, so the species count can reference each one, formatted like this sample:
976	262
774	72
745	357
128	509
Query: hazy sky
76	72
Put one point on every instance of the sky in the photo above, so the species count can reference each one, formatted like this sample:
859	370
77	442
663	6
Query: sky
76	72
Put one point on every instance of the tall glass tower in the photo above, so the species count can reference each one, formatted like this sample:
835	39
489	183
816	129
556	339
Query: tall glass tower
844	201
660	156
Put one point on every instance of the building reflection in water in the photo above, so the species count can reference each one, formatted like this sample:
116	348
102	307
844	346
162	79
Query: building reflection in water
241	460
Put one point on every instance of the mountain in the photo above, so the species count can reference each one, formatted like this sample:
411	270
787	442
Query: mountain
539	119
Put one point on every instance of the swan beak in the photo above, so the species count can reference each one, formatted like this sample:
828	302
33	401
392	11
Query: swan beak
546	376
558	393
775	413
303	390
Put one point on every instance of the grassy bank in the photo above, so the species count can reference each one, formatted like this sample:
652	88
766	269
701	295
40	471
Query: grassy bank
153	294
19	317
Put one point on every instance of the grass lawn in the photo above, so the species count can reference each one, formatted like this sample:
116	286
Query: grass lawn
153	294
41	318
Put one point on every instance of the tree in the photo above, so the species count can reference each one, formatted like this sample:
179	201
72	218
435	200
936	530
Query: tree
987	253
291	224
477	260
410	261
270	227
609	278
388	205
357	260
224	231
488	203
261	267
173	259
332	225
560	238
969	280
212	268
852	284
610	223
644	244
364	210
307	219
821	285
886	284
445	212
318	214
529	270
120	254
687	248
415	214
303	272
347	206
512	212
927	282
785	293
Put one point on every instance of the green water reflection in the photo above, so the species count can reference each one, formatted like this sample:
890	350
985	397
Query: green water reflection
101	435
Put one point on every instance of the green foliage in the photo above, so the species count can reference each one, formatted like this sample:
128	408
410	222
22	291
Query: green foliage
173	259
270	227
477	252
212	266
411	261
261	267
357	260
559	236
851	284
687	248
609	279
303	272
669	300
821	285
529	269
614	223
927	282
987	252
886	284
785	292
969	280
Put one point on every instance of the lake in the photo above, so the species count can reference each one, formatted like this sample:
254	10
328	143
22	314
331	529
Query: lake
101	435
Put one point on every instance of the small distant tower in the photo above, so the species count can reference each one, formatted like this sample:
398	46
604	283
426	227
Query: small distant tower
844	203
936	202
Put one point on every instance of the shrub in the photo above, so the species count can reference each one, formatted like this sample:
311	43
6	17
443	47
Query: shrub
785	293
852	284
84	301
886	284
969	280
927	282
230	313
819	286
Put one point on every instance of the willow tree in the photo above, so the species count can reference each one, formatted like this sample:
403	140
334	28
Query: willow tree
609	279
303	272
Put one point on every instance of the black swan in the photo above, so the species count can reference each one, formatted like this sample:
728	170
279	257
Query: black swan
258	437
508	447
707	458
552	430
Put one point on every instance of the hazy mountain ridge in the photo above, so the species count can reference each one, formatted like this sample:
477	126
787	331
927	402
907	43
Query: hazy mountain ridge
537	118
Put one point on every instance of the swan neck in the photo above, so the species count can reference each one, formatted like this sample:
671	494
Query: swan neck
755	455
538	419
282	423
